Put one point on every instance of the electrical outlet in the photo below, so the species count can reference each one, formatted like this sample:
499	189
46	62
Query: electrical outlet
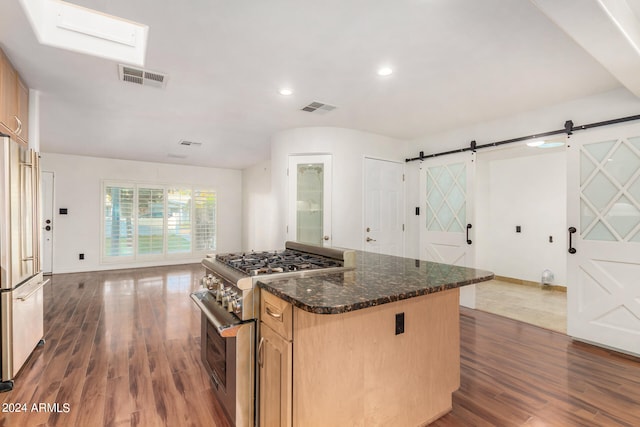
81	256
399	323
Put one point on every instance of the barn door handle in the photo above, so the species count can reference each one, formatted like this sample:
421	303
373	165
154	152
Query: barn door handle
572	250
468	240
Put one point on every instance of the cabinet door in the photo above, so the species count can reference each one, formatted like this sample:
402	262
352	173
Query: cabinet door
274	360
8	94
23	109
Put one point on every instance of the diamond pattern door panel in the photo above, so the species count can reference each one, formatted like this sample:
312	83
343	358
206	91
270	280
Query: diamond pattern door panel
446	185
610	190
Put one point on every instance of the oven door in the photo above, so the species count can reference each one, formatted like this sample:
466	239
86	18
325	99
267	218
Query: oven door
228	349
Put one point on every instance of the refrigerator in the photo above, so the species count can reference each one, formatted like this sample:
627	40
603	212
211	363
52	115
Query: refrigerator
21	279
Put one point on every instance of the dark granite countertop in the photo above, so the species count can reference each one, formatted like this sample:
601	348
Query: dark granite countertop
376	279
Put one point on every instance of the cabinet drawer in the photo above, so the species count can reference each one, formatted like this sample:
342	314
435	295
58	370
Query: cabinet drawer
276	313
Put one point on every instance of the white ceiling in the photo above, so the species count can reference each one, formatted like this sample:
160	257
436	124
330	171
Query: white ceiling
456	62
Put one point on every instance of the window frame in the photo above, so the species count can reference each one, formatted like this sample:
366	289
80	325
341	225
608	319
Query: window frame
165	255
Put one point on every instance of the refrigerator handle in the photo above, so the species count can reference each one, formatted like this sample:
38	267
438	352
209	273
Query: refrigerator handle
30	294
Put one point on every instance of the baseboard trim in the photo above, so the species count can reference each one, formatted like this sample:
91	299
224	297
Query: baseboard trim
530	283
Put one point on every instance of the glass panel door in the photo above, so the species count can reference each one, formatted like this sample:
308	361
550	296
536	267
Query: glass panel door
309	206
310	199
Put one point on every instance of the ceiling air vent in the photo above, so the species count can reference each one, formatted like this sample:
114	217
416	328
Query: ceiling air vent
318	107
190	143
142	77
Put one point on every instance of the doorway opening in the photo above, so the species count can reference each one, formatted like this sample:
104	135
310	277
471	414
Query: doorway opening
521	211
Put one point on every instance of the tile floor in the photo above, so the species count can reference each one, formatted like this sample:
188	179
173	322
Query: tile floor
541	307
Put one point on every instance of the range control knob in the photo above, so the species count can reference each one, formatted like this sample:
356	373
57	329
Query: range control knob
238	305
225	300
219	292
204	282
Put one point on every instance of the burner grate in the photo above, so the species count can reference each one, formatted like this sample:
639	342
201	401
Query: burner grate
259	263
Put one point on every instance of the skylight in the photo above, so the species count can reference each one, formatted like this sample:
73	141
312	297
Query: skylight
67	26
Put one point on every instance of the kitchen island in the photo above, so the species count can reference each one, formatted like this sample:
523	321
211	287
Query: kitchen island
376	345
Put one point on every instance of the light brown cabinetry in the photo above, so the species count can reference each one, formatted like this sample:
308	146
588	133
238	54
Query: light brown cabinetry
275	361
23	109
14	101
275	378
352	369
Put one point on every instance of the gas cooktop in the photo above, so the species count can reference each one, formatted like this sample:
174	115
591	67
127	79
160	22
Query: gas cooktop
268	262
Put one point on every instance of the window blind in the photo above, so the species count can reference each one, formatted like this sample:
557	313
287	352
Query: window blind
157	222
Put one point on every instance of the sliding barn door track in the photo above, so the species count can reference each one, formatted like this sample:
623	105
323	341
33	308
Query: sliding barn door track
569	128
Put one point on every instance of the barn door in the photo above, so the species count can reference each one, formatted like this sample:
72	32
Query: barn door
447	223
603	290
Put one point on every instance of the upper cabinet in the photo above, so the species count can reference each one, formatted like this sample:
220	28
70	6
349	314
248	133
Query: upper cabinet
14	101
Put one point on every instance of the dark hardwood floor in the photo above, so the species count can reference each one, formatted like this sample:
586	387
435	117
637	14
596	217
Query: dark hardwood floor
516	374
123	350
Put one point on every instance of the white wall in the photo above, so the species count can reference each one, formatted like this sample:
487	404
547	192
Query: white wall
529	191
78	182
605	106
348	148
259	231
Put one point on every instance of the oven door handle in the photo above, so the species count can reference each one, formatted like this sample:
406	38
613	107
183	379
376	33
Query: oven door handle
224	323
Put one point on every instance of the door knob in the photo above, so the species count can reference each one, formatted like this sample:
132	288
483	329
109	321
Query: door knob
369	239
326	237
48	228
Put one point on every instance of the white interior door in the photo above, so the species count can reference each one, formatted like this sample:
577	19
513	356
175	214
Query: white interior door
383	207
47	221
447	227
603	292
310	199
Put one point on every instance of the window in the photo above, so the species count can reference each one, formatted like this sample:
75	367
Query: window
179	220
149	221
205	220
118	221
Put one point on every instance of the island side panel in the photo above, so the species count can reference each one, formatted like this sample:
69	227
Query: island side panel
351	369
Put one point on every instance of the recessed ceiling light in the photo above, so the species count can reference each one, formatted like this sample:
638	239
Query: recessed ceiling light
385	71
537	143
545	144
551	144
285	91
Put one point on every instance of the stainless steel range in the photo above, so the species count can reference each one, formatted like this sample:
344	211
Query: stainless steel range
230	309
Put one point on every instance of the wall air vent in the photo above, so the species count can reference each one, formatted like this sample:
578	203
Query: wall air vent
318	107
141	76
